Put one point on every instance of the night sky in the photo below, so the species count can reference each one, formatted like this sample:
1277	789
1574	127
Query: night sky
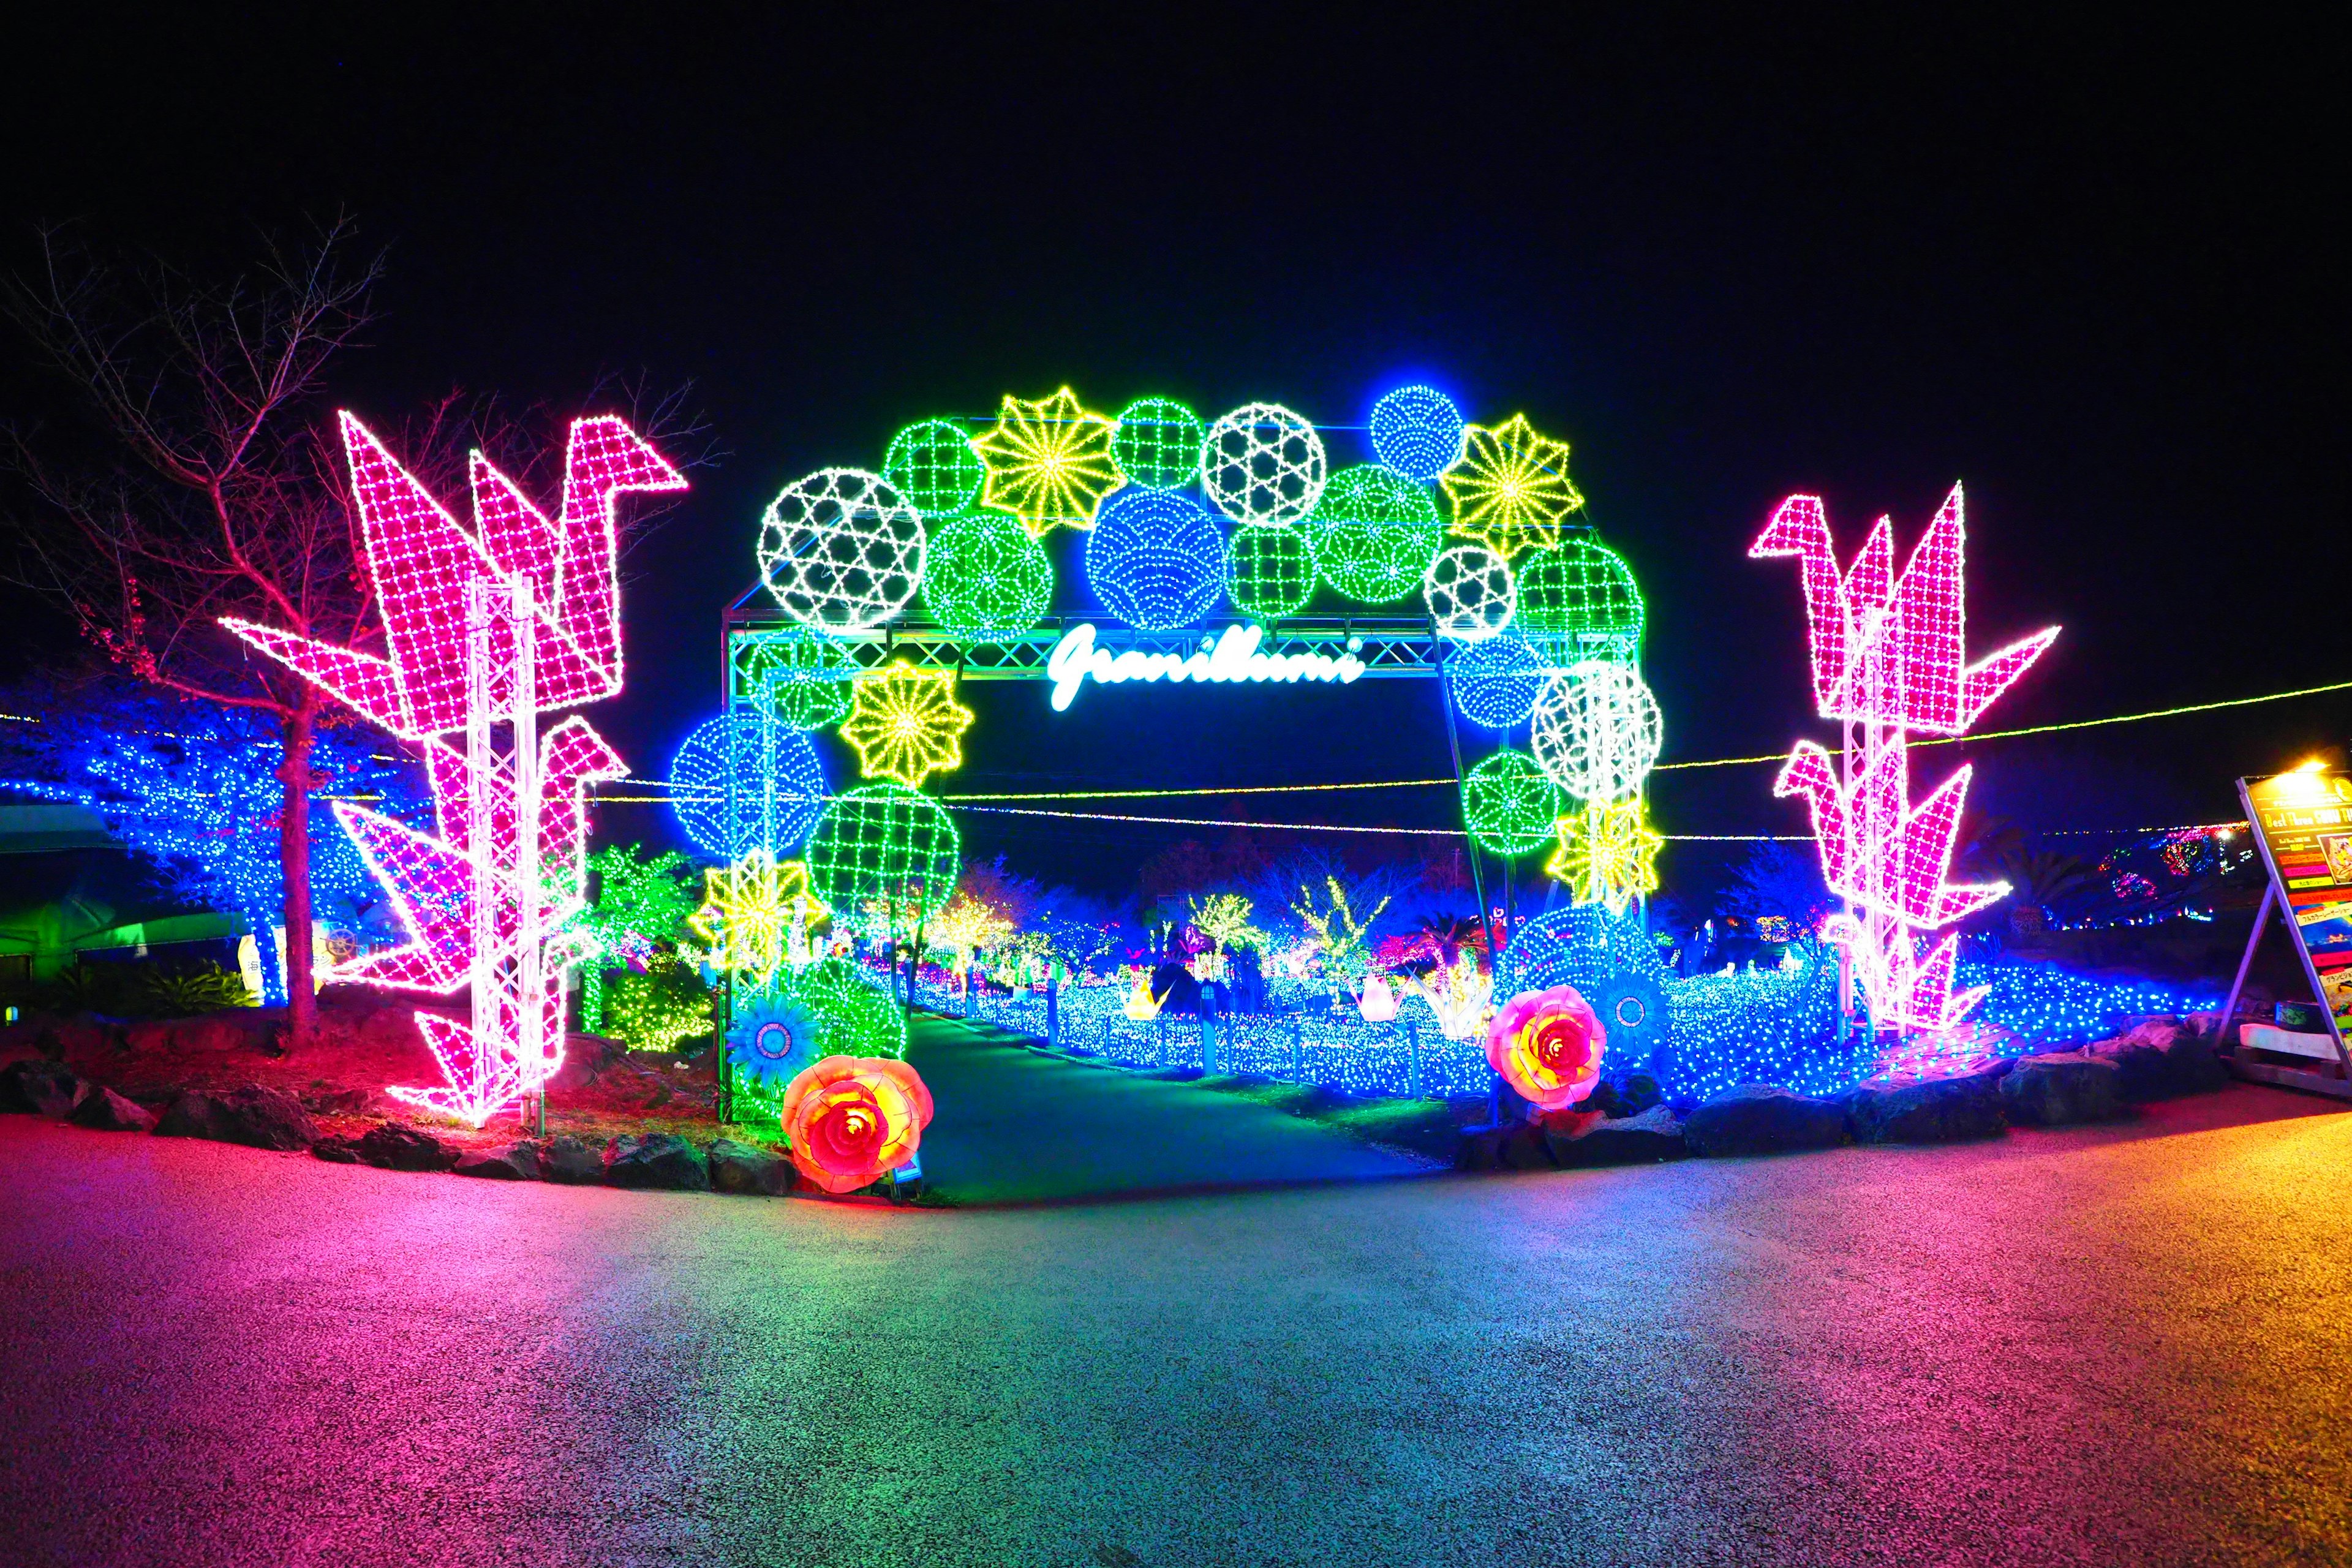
2084	271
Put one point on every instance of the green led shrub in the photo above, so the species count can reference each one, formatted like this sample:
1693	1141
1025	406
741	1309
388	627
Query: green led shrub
656	1010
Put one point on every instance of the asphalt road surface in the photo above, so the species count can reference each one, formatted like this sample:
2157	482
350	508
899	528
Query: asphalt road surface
2126	1345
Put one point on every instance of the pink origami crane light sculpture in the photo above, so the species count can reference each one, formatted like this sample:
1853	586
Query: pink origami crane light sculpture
1888	662
483	630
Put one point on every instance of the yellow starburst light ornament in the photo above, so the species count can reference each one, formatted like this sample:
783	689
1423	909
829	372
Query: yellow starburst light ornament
1607	855
906	723
749	908
1049	462
1510	491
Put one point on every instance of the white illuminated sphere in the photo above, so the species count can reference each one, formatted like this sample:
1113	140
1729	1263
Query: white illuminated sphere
841	550
1263	464
1597	730
1470	593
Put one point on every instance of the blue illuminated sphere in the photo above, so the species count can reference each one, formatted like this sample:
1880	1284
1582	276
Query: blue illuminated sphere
1155	560
1496	682
738	783
1417	431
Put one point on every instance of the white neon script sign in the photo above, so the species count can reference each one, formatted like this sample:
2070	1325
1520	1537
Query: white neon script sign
1232	657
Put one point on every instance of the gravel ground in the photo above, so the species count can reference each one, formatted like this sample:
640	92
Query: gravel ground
2119	1345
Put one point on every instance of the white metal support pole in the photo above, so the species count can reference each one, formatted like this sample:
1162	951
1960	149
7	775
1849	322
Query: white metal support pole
529	954
481	759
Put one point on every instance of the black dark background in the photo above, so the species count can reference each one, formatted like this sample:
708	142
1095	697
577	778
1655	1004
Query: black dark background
2094	270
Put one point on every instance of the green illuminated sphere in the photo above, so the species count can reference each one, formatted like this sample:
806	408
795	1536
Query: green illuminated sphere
803	676
859	1020
1509	806
1269	572
1158	444
885	845
1375	533
1581	598
933	466
987	578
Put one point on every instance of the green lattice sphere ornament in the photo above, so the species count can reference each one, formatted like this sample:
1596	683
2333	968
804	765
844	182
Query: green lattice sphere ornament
1269	572
859	1020
886	844
987	578
1158	444
803	677
1510	805
1581	597
1375	533
1470	593
933	466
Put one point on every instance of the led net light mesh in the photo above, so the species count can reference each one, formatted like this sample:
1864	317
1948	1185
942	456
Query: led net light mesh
885	856
988	577
801	678
485	629
907	724
1578	600
1494	683
933	466
1510	492
1509	803
1888	662
1158	444
740	782
1049	462
1261	464
1269	572
1374	533
1155	560
1470	593
841	550
1417	431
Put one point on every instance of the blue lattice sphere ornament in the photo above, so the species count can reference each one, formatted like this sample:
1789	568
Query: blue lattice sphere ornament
742	782
1417	431
1155	560
773	1038
1496	683
1614	966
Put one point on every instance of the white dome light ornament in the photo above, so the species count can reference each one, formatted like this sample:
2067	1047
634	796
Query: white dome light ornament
1264	464
1470	593
841	551
1597	730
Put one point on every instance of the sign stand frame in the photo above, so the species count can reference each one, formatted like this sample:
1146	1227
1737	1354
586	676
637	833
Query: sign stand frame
2330	1078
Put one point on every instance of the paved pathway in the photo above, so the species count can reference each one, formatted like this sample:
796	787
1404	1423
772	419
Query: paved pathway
1014	1125
2111	1346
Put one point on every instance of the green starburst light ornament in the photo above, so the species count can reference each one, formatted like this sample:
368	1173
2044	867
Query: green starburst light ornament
988	577
885	846
1578	600
1158	444
1269	572
1375	533
1512	808
933	466
803	677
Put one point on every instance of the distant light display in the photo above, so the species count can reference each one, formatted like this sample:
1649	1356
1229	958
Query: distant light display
1470	593
906	723
1156	560
885	844
738	783
1417	431
1269	572
1158	444
933	466
1511	491
1375	534
987	577
1510	805
841	550
1049	462
1261	464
